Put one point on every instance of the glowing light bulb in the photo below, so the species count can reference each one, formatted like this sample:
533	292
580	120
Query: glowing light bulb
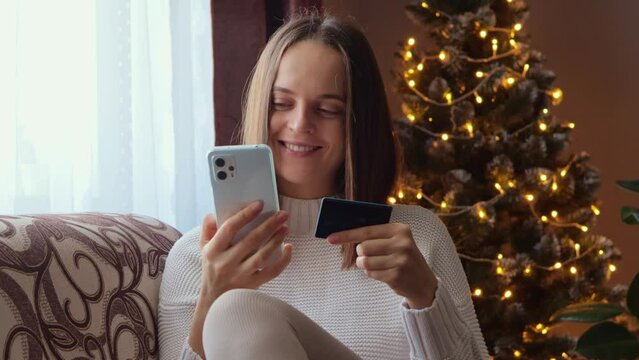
478	99
545	111
442	55
601	252
517	353
469	128
443	205
411	41
517	27
408	55
554	186
573	270
513	43
445	137
479	74
557	265
544	218
481	213
530	197
511	184
400	194
612	267
563	172
595	210
508	294
571	125
483	34
420	67
500	256
554	214
527	270
544	331
510	80
411	117
392	200
449	97
543	126
526	68
424	5
543	177
577	246
539	326
420	195
477	292
411	83
557	96
584	228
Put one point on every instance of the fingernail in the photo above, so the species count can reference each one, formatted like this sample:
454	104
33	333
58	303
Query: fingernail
282	215
256	205
332	239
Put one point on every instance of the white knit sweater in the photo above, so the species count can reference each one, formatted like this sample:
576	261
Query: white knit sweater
364	314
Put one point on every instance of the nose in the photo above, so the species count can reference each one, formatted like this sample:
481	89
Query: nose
301	120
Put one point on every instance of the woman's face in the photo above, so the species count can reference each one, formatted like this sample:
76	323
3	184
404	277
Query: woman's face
307	119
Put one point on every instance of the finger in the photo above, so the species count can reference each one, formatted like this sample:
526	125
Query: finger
274	270
227	231
260	258
209	227
376	247
365	232
383	262
258	236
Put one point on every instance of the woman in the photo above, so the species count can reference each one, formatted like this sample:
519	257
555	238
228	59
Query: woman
317	98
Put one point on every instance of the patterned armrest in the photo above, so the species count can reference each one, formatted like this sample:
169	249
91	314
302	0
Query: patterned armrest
81	285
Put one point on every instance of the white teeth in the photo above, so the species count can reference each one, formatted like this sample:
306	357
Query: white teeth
299	148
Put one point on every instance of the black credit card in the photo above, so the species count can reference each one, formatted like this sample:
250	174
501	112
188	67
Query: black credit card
338	215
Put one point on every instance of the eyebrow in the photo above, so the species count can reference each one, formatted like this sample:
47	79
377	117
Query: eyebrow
323	96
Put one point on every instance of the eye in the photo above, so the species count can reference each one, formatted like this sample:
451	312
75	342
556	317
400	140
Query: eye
280	105
330	112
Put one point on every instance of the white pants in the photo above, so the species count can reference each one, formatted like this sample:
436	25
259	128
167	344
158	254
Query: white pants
248	324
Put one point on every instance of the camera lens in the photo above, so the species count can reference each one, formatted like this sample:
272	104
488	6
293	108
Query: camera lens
221	175
219	162
231	168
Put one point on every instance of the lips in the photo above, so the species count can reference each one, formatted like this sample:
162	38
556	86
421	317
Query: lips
299	148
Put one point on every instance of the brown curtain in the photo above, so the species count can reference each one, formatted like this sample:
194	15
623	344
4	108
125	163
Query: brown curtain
240	30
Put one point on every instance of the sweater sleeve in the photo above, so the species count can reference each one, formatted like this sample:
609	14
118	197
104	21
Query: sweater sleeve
178	296
448	329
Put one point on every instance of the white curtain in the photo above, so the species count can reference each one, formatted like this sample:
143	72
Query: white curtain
106	106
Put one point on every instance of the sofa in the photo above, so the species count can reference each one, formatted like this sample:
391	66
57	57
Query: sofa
81	286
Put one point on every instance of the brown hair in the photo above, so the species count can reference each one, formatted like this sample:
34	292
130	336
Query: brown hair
372	158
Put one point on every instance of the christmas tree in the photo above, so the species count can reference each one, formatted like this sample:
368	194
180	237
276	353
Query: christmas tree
485	152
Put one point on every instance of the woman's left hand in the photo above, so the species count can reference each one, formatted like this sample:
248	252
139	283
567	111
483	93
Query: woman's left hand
388	253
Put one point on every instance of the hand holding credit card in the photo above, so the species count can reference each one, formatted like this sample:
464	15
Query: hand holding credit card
338	215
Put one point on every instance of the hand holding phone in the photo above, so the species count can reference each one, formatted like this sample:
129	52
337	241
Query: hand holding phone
338	215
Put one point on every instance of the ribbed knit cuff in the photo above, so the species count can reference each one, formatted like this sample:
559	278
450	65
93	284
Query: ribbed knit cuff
187	352
436	331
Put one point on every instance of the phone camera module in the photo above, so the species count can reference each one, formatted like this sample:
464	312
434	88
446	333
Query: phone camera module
219	162
231	168
221	175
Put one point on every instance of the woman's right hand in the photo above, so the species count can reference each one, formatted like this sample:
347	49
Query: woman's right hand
226	266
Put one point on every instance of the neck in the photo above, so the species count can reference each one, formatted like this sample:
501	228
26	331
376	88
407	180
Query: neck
304	191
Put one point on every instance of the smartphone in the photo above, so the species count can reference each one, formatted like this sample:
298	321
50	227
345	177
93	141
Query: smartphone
339	215
240	175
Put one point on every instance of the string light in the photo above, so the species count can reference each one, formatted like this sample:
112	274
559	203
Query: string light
469	128
543	126
545	111
411	41
477	292
479	74
499	188
513	43
557	96
557	265
595	210
442	55
517	27
500	256
517	353
494	46
601	252
508	294
612	267
483	34
392	200
408	55
554	186
445	137
510	80
543	177
420	66
424	5
573	270
554	214
443	205
499	270
584	228
478	98
419	195
528	270
530	197
523	74
411	117
400	194
544	218
563	172
571	125
411	83
448	96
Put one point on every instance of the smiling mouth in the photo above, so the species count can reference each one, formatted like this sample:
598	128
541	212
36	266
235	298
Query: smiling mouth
298	148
